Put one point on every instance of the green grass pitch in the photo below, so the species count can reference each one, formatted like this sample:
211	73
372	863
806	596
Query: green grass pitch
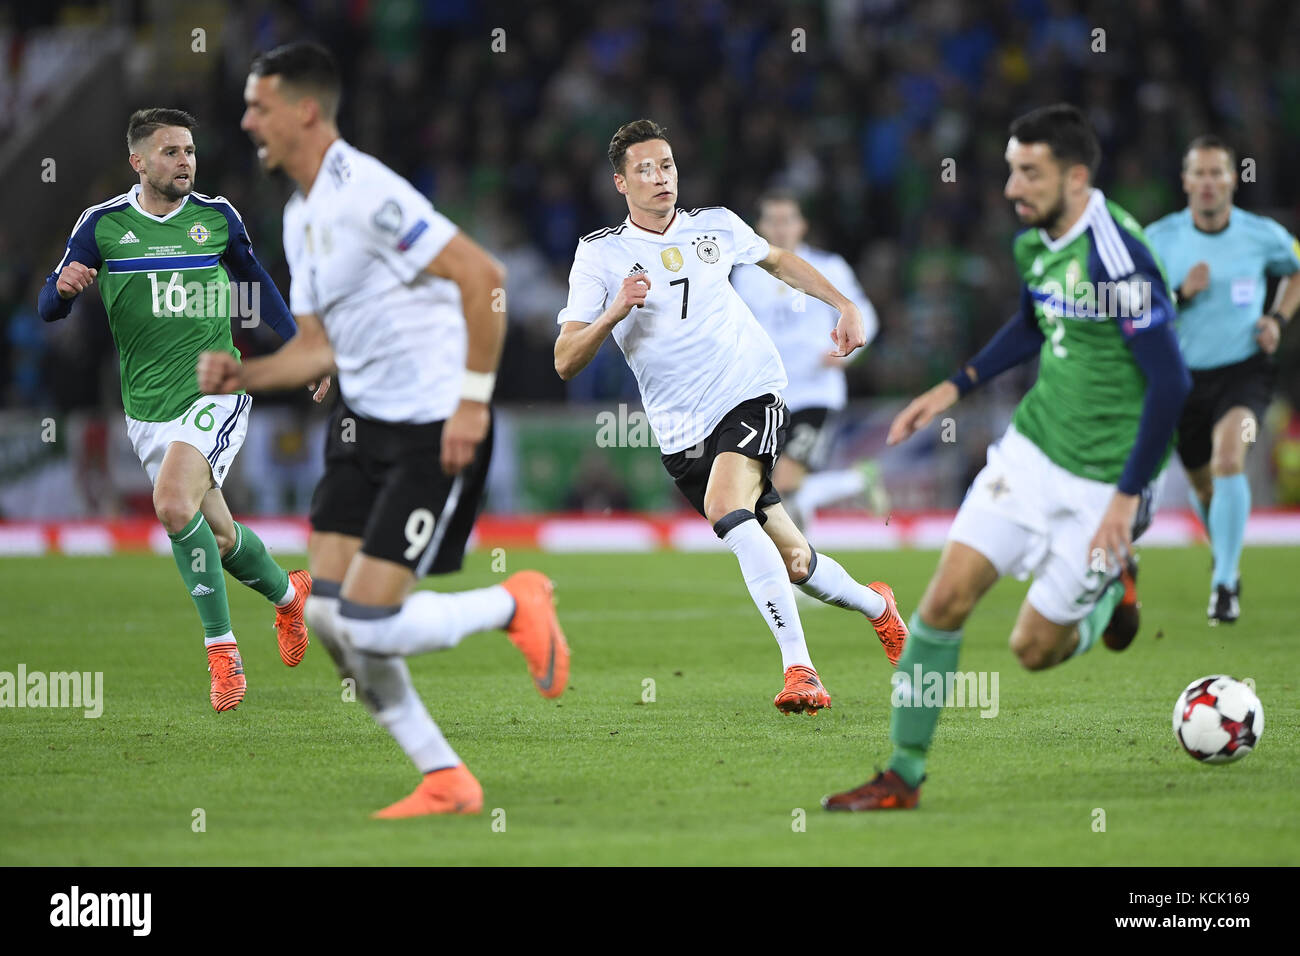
706	773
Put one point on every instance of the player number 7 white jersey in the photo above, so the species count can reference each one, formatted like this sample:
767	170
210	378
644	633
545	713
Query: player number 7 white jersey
695	348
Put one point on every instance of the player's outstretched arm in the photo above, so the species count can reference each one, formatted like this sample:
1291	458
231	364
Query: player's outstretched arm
305	358
850	332
920	411
1017	341
579	342
482	281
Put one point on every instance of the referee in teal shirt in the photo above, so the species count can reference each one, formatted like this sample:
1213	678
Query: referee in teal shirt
1221	257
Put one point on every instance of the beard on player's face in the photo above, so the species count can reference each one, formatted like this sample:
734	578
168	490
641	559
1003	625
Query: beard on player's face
1046	217
169	188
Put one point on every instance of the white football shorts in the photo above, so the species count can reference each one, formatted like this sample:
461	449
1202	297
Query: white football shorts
1029	516
215	425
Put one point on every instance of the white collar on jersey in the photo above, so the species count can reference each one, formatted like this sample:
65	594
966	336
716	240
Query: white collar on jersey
1096	206
672	223
133	197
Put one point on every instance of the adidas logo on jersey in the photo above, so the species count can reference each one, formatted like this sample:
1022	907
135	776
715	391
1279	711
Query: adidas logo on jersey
129	237
636	269
201	590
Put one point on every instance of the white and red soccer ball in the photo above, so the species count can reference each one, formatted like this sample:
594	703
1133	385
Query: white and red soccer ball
1218	719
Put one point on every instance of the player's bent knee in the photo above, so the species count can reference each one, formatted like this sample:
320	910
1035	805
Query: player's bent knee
946	605
1030	655
1228	464
1031	650
715	509
173	511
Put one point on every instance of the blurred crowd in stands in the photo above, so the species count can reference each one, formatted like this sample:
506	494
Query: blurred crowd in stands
887	117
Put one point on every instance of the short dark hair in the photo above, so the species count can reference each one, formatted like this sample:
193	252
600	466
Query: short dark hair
1065	130
306	66
629	134
144	123
1210	141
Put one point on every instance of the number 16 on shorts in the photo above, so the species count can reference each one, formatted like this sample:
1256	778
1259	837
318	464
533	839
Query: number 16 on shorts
214	424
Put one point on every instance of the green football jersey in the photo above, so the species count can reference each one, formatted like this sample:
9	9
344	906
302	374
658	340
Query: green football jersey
167	289
1089	291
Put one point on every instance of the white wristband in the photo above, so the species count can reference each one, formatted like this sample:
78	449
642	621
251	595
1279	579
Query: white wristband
477	386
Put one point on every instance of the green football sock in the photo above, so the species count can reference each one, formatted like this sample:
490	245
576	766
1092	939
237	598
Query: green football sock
195	549
911	726
251	565
1092	626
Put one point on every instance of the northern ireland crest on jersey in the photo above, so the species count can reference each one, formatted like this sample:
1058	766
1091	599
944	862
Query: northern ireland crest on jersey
672	259
199	233
707	249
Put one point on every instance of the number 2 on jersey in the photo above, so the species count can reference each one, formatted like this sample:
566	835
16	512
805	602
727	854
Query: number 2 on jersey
1058	333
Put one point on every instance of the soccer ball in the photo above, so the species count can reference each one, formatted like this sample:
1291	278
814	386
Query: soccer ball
1218	719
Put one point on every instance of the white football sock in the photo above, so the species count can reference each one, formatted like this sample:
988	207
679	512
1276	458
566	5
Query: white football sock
823	487
228	637
768	582
287	598
383	685
321	614
427	620
386	688
829	582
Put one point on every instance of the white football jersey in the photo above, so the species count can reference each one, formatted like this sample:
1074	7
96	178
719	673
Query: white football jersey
800	326
696	350
357	247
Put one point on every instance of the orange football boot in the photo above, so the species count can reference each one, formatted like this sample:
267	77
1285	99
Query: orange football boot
803	691
884	791
227	670
290	626
450	790
889	626
535	630
1127	616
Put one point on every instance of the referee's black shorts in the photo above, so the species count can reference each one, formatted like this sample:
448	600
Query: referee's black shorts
384	484
1214	391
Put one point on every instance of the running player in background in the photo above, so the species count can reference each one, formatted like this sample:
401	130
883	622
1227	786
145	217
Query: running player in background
167	256
1221	258
410	310
1066	489
710	380
816	388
